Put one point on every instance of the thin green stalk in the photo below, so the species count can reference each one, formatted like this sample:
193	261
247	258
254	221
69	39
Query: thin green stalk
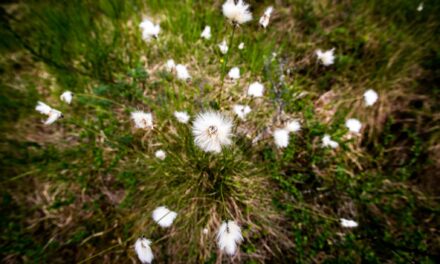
225	61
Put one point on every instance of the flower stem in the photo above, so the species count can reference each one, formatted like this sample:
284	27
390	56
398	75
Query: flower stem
225	61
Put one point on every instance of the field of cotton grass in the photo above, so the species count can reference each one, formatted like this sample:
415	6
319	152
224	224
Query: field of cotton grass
285	131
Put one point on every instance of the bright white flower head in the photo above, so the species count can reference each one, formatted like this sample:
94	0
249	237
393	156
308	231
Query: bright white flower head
234	73
327	57
241	46
420	7
143	250
206	33
242	111
228	237
348	223
237	13
328	142
170	65
370	97
281	137
293	126
149	30
163	216
160	154
211	131
256	89
182	117
142	120
205	231
353	125
264	20
182	72
223	46
67	97
53	114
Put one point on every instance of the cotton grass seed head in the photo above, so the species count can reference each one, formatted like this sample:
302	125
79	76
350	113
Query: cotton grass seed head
241	110
256	89
142	120
370	97
234	73
353	125
160	154
53	114
163	216
328	142
327	58
67	97
223	46
348	223
281	137
149	30
264	20
170	65
228	237
182	72
241	46
182	117
211	131
237	11
206	33
293	126
143	250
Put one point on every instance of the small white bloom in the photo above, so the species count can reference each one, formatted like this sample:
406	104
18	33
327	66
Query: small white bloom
170	65
348	223
281	137
211	131
205	231
293	126
223	46
53	114
256	89
67	97
182	117
242	111
353	125
370	97
228	236
237	12
264	20
241	46
142	120
182	72
234	73
420	7
327	58
160	154
206	33
328	142
143	250
149	30
163	216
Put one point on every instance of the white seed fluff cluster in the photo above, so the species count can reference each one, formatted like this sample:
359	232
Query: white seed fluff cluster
143	250
211	131
237	12
353	125
370	97
160	154
67	97
327	58
182	72
206	33
170	65
53	114
241	46
182	117
328	142
149	30
234	73
348	223
256	89
142	120
163	216
241	110
281	137
228	237
264	20
223	46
